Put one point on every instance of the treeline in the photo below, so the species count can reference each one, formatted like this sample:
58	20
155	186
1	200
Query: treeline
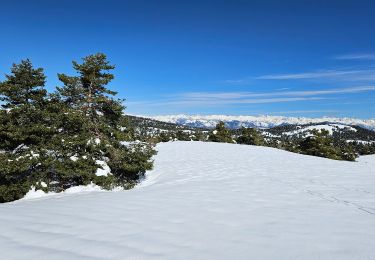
316	143
53	141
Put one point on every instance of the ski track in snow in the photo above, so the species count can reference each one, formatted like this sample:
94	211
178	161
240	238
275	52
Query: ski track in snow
207	201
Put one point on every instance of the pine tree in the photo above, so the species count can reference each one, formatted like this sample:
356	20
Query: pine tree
182	136
23	129
320	144
250	136
103	126
88	93
199	136
164	137
55	141
24	86
220	134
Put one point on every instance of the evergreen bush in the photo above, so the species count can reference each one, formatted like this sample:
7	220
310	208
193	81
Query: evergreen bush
220	134
250	136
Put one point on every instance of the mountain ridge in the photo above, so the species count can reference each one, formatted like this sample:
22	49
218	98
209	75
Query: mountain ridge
264	121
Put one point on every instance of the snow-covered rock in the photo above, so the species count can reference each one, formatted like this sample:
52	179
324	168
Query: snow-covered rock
208	201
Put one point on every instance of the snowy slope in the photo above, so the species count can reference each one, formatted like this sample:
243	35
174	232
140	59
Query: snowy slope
210	121
208	201
328	127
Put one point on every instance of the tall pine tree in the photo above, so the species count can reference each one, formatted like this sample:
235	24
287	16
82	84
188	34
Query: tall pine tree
104	128
23	129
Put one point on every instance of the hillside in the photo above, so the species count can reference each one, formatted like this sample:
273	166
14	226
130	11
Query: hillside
207	201
358	135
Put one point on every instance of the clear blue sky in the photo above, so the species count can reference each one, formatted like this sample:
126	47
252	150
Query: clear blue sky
294	58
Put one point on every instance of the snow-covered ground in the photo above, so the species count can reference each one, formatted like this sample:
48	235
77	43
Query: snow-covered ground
207	201
329	127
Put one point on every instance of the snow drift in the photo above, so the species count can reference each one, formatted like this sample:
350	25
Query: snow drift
208	201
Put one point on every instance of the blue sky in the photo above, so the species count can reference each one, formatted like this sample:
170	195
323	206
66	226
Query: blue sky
293	58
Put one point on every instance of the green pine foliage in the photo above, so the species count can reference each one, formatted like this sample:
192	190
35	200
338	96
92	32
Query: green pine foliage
321	144
363	148
103	126
164	137
24	86
182	136
220	134
199	136
57	139
23	130
250	136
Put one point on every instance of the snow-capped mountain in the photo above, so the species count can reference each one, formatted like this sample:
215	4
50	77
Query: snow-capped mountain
209	121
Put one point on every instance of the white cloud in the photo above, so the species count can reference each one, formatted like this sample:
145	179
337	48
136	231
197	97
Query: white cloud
202	99
234	81
238	95
363	56
317	74
224	102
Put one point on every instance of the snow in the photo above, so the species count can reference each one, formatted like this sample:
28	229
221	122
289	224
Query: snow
263	121
32	154
344	127
34	194
129	144
74	158
330	128
103	170
360	141
97	141
266	134
83	188
20	147
38	194
208	201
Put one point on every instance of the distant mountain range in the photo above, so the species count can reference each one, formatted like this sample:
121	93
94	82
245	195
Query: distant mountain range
273	129
234	122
